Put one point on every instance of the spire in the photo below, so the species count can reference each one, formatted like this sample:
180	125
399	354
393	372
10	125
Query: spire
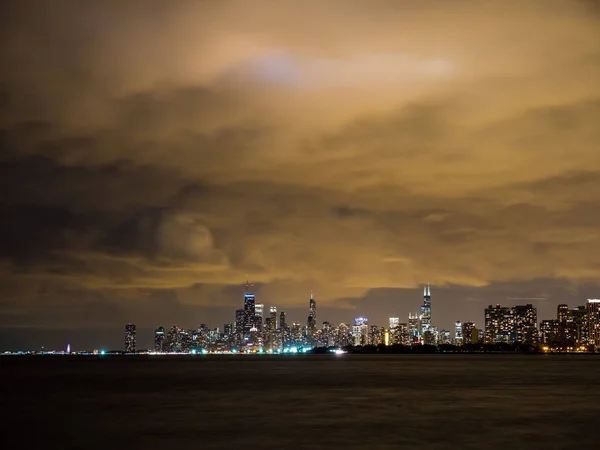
311	295
424	291
428	290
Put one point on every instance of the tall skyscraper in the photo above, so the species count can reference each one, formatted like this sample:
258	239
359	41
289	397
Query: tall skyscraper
469	333
173	342
525	317
259	310
458	336
562	311
593	312
413	327
549	330
130	338
258	318
394	321
499	325
249	311
573	325
312	316
273	315
360	331
159	340
426	310
282	322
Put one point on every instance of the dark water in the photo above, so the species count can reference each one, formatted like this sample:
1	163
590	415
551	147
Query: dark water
351	402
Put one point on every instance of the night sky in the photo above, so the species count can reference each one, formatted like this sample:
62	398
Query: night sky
155	155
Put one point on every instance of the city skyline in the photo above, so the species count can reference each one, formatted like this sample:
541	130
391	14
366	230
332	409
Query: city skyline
357	151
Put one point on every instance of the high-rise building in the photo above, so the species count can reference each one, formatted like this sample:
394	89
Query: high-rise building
185	340
525	317
399	334
130	338
549	330
249	311
273	316
573	325
469	333
360	331
499	325
444	337
282	322
458	336
374	335
259	309
240	318
159	340
394	321
343	335
426	311
593	311
413	327
312	315
562	311
173	343
296	335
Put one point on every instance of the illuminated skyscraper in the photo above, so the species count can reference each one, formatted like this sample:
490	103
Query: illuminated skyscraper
173	343
130	338
593	311
394	321
249	312
259	310
258	318
426	311
444	337
159	340
499	325
273	315
312	315
282	322
525	317
343	335
458	336
469	333
562	311
360	331
413	327
240	318
549	330
573	325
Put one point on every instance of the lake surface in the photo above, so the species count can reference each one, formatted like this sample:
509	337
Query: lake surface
316	402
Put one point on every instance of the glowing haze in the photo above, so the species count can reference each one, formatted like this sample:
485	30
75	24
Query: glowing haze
155	155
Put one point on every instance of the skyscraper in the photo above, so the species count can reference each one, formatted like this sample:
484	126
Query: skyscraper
458	336
469	333
249	311
549	330
360	331
159	340
240	318
426	310
130	338
312	316
525	317
282	322
413	327
394	321
499	325
593	311
273	315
